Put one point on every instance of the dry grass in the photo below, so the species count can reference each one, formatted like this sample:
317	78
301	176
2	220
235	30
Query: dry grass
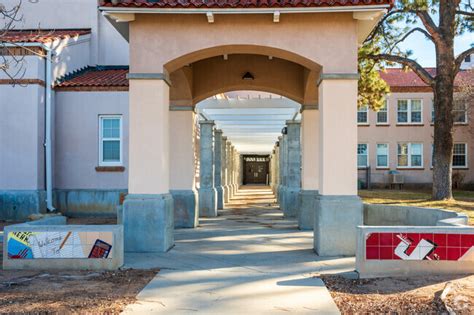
463	200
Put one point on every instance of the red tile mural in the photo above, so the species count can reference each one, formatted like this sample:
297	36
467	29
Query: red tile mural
419	246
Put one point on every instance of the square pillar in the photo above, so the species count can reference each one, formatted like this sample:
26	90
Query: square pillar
276	171
283	170
182	170
218	168
310	168
292	169
148	217
224	170
207	191
339	209
228	155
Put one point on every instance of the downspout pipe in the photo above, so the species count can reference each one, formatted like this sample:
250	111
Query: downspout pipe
48	117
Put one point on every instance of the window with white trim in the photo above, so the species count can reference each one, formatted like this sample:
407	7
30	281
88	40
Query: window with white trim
410	154
460	155
409	112
110	140
459	113
382	154
362	155
382	114
363	115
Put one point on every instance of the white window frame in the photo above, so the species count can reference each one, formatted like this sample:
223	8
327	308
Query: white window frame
377	155
465	115
388	116
368	155
466	155
410	154
409	111
367	115
101	139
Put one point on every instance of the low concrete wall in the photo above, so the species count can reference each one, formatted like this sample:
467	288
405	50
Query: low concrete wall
389	215
18	205
408	251
88	202
79	247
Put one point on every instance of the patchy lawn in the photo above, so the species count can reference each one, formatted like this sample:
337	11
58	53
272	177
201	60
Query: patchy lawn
70	292
414	295
464	200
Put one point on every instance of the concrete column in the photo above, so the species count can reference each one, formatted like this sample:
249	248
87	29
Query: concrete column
182	170
277	169
339	209
218	168
234	173
207	191
228	172
148	218
283	170
225	187
310	168
292	169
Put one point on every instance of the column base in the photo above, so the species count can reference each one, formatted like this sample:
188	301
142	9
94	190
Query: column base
148	223
307	209
207	202
335	222
291	202
186	212
220	197
226	194
281	197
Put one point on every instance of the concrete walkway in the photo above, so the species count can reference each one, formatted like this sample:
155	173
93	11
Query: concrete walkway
248	260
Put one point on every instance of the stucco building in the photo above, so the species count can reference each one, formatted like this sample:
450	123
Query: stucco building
123	110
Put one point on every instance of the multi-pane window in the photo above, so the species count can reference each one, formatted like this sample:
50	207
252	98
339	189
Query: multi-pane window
460	155
382	155
409	111
410	154
110	140
362	155
382	114
363	115
459	113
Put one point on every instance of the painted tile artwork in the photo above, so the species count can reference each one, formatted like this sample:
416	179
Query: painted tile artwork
60	244
419	246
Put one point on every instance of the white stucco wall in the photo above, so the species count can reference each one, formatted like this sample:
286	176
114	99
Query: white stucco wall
21	137
77	139
70	55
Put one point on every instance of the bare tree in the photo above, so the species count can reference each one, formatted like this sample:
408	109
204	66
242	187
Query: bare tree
440	21
12	64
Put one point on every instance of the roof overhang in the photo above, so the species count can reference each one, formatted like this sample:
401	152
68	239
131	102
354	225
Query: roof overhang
366	16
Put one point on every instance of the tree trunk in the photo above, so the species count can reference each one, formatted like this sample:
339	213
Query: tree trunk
443	103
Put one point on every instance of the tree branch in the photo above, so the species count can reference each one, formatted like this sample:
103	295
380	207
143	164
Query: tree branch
416	29
471	14
412	64
429	25
461	57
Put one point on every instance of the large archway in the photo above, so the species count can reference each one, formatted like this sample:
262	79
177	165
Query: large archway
177	60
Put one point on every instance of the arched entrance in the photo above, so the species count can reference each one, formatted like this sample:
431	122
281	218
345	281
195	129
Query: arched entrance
177	60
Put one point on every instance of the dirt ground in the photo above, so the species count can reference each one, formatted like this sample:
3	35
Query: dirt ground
73	292
417	295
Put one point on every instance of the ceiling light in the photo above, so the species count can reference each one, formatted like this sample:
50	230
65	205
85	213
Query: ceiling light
248	76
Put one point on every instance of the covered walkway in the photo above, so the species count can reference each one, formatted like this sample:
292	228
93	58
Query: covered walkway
248	259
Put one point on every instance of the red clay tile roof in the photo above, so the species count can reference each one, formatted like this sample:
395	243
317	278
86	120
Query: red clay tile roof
98	77
193	4
41	36
397	77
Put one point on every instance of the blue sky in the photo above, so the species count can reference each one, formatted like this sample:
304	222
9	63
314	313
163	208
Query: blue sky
424	51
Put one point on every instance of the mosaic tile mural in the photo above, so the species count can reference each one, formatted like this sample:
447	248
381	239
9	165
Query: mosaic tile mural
59	244
419	246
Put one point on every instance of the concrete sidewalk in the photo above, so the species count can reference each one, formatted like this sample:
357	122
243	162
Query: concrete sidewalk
248	260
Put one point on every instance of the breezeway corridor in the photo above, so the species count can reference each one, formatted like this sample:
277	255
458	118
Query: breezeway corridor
248	259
